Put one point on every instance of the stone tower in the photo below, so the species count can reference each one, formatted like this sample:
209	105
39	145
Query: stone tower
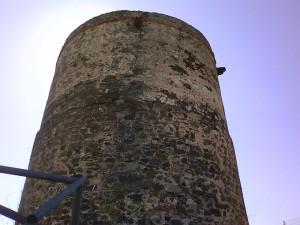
135	106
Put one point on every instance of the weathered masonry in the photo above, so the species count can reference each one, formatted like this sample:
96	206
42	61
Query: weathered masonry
135	106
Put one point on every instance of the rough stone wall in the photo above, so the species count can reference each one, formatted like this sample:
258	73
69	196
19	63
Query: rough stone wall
135	106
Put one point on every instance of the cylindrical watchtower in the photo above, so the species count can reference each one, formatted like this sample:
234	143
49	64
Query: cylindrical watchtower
135	106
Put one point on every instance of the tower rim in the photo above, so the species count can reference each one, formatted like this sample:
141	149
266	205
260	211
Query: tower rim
159	18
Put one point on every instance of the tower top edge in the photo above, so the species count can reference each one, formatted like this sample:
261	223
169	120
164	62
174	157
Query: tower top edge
146	16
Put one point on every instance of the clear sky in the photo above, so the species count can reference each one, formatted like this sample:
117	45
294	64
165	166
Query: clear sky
258	41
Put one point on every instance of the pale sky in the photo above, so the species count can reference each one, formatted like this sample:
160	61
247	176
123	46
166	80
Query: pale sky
256	40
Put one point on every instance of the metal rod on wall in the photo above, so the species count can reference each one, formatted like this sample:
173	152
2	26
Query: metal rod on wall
52	203
38	175
12	214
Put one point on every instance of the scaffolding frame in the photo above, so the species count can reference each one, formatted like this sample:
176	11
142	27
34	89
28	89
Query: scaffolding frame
76	186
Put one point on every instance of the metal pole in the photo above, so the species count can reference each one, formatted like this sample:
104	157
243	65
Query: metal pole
12	214
75	220
52	203
39	175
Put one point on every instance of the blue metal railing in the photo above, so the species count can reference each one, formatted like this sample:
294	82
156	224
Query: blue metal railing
76	185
